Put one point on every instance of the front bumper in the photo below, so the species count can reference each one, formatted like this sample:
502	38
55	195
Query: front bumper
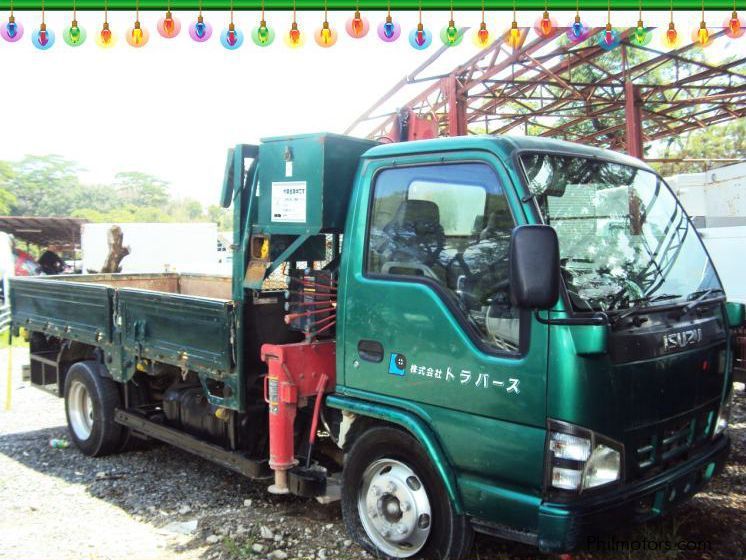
563	527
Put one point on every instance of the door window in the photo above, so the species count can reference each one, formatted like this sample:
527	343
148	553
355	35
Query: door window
448	225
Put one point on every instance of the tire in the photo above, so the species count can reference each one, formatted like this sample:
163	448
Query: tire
90	402
394	503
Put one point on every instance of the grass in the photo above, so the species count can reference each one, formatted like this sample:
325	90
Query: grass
242	550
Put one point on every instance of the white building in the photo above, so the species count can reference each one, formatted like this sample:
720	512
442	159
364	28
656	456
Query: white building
716	202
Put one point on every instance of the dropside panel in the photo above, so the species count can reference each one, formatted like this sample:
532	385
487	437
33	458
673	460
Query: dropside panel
70	310
195	334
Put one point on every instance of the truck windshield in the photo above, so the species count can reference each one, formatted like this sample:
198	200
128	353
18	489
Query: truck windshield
625	241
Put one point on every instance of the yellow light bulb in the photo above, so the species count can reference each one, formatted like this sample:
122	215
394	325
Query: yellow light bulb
515	37
325	36
137	36
702	35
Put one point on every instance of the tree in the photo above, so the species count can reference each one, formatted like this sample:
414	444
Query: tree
726	141
45	186
141	188
7	199
221	216
49	186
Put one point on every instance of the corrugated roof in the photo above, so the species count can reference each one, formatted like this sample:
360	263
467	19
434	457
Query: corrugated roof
43	231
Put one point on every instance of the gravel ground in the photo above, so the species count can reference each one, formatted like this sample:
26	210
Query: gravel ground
162	503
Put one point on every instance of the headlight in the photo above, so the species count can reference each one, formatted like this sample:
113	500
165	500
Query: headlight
579	459
603	467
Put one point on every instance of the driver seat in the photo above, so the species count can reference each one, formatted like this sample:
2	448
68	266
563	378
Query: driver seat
415	232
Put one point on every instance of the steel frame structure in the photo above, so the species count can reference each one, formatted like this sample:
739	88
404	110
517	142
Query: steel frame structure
550	88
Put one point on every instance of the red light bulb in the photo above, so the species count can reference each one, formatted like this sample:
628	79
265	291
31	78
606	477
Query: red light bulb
608	35
420	36
672	35
734	25
294	33
483	36
546	24
357	24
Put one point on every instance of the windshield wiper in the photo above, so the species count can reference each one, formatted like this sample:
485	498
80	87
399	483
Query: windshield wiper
636	307
659	297
700	297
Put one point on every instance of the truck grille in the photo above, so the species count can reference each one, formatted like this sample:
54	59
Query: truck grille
654	449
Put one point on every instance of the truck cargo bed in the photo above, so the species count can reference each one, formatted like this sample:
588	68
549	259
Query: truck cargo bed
201	285
183	320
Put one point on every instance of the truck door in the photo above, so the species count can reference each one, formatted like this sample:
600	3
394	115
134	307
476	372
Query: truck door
428	321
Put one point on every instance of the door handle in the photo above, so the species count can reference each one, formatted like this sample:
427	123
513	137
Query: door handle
370	350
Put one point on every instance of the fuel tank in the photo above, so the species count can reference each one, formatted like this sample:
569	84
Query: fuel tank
186	407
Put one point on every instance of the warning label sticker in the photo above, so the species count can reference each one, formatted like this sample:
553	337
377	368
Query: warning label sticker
289	201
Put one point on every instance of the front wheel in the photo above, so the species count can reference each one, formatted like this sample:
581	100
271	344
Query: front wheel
394	503
90	403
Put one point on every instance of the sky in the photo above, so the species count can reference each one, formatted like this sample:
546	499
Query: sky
174	107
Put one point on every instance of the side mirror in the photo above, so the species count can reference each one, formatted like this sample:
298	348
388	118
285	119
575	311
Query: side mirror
534	266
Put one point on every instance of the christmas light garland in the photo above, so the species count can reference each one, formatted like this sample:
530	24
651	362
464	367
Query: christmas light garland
357	26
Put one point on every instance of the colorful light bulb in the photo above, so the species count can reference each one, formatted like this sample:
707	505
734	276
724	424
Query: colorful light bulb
515	37
231	37
169	26
294	38
325	36
200	30
389	30
545	26
11	31
641	35
450	35
105	38
702	35
357	26
577	32
137	36
43	38
735	26
262	35
74	35
609	39
420	38
671	38
482	36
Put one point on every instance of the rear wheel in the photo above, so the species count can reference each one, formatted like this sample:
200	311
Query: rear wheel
394	503
90	403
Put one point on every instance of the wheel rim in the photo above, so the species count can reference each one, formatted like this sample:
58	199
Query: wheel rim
394	508
80	410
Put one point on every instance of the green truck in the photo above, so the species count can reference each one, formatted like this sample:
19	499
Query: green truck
514	336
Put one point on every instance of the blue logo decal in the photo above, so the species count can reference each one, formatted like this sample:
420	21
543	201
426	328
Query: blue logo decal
397	364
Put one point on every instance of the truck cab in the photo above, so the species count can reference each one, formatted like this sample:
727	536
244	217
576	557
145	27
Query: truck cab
515	336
